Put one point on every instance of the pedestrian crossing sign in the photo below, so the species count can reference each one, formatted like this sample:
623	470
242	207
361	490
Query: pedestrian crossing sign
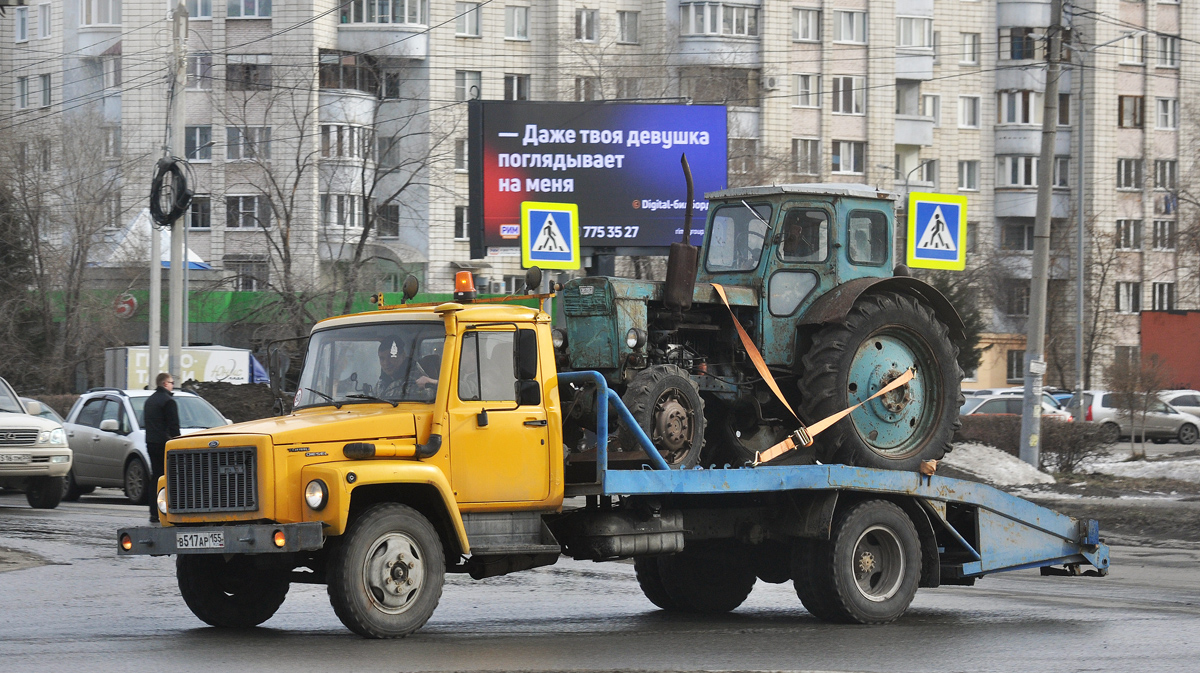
550	235
937	231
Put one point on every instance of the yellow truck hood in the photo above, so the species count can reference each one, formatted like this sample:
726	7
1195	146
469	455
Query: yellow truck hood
352	423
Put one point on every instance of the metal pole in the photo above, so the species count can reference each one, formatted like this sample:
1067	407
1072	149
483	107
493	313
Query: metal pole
155	337
1035	366
1079	248
179	149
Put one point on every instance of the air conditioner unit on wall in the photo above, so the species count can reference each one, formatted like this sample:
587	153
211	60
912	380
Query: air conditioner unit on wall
770	83
496	287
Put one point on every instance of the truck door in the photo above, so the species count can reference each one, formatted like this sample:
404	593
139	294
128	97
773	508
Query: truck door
801	258
499	449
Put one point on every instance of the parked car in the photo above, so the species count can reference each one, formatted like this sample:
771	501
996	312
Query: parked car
105	430
1163	421
44	410
1047	397
1187	401
34	456
1007	404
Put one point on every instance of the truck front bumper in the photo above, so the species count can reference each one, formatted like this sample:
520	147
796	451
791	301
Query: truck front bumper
239	539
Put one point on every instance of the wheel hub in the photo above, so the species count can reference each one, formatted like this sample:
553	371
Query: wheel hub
393	573
866	562
896	400
672	424
878	563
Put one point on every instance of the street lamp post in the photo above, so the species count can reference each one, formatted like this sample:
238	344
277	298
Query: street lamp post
906	177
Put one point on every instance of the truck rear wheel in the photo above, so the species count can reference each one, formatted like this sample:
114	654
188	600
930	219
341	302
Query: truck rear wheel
706	581
386	577
666	403
649	579
868	570
883	336
229	594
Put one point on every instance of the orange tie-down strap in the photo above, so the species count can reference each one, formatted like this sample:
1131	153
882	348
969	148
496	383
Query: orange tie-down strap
803	436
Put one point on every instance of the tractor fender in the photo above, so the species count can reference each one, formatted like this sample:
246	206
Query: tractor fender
833	306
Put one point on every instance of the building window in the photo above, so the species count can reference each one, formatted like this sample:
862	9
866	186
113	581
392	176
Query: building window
970	49
968	176
248	72
199	215
1129	297
346	71
21	32
629	88
247	212
585	24
806	25
1129	234
199	71
46	90
1016	236
199	9
387	220
743	155
99	12
461	228
44	21
198	143
587	88
806	153
1133	50
1164	234
341	210
516	23
110	67
516	87
849	157
808	90
468	84
1062	172
1016	366
849	95
45	155
931	107
937	47
627	27
1165	174
342	141
460	154
259	9
1020	107
1129	112
1017	44
968	112
1016	171
850	27
1167	118
112	141
1164	296
249	276
1016	295
1168	51
466	19
387	152
717	19
1129	173
247	143
914	32
972	237
1064	109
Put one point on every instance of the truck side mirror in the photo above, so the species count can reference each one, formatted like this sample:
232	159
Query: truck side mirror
525	354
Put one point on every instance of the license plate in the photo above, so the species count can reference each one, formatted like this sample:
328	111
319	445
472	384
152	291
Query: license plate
211	539
15	457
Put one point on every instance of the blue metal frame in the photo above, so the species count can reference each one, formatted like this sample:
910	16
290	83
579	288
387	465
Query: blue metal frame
1011	533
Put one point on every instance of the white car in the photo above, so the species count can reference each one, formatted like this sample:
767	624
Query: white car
1010	405
34	456
105	431
1187	401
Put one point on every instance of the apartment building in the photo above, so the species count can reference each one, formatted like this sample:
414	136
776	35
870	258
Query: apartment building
307	121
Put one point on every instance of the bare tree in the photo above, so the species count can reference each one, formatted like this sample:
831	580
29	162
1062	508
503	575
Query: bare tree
1135	384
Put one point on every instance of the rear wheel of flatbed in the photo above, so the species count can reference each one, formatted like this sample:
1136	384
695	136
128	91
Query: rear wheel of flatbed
649	579
386	577
229	594
867	572
707	581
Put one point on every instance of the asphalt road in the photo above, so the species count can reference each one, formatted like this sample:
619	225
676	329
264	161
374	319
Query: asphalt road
80	608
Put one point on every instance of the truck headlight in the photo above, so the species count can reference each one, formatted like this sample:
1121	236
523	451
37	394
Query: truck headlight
316	494
635	338
162	500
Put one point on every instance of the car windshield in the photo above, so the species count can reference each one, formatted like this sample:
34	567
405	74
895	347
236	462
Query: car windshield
8	401
735	242
397	362
970	405
194	412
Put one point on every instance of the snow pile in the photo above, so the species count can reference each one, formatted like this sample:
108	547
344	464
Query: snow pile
1184	469
993	466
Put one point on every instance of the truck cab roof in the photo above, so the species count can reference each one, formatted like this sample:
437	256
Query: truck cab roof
492	312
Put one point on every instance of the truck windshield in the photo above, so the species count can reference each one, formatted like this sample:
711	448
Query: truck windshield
397	362
735	242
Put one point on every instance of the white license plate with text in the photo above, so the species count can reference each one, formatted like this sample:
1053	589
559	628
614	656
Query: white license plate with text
209	539
15	458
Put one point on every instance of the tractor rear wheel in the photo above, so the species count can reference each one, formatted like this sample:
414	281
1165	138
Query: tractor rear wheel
883	336
666	403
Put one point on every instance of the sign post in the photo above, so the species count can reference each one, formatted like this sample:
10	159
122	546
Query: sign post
550	235
937	231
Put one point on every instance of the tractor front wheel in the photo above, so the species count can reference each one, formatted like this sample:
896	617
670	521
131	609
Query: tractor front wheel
666	403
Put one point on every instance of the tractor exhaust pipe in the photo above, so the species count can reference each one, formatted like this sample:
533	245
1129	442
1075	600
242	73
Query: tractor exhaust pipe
683	258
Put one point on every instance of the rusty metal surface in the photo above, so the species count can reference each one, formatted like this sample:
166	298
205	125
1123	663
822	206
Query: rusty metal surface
835	304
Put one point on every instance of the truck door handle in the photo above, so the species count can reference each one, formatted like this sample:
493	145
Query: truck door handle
536	424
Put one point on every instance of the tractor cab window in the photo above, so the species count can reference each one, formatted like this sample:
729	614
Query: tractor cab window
396	362
868	237
736	240
805	235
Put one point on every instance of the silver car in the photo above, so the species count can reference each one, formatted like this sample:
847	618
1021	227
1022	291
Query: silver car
105	431
1163	421
1187	401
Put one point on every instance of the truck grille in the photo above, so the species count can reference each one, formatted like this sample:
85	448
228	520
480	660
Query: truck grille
17	437
212	480
595	302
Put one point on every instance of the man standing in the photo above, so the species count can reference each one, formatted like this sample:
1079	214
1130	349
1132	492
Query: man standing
162	424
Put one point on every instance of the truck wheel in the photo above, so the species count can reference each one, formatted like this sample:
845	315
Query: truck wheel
229	594
868	570
386	577
666	403
44	492
649	579
883	336
137	482
704	581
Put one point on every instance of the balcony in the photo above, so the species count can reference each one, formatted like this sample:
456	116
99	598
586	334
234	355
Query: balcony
1027	139
1023	203
384	39
1028	77
347	106
914	130
914	64
1022	13
94	41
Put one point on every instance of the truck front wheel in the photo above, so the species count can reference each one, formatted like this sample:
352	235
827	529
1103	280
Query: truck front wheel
229	594
386	577
883	336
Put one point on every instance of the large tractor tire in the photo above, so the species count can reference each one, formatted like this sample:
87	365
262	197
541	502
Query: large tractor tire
883	336
231	594
666	403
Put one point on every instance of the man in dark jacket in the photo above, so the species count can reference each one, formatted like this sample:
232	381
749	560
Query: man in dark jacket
162	424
